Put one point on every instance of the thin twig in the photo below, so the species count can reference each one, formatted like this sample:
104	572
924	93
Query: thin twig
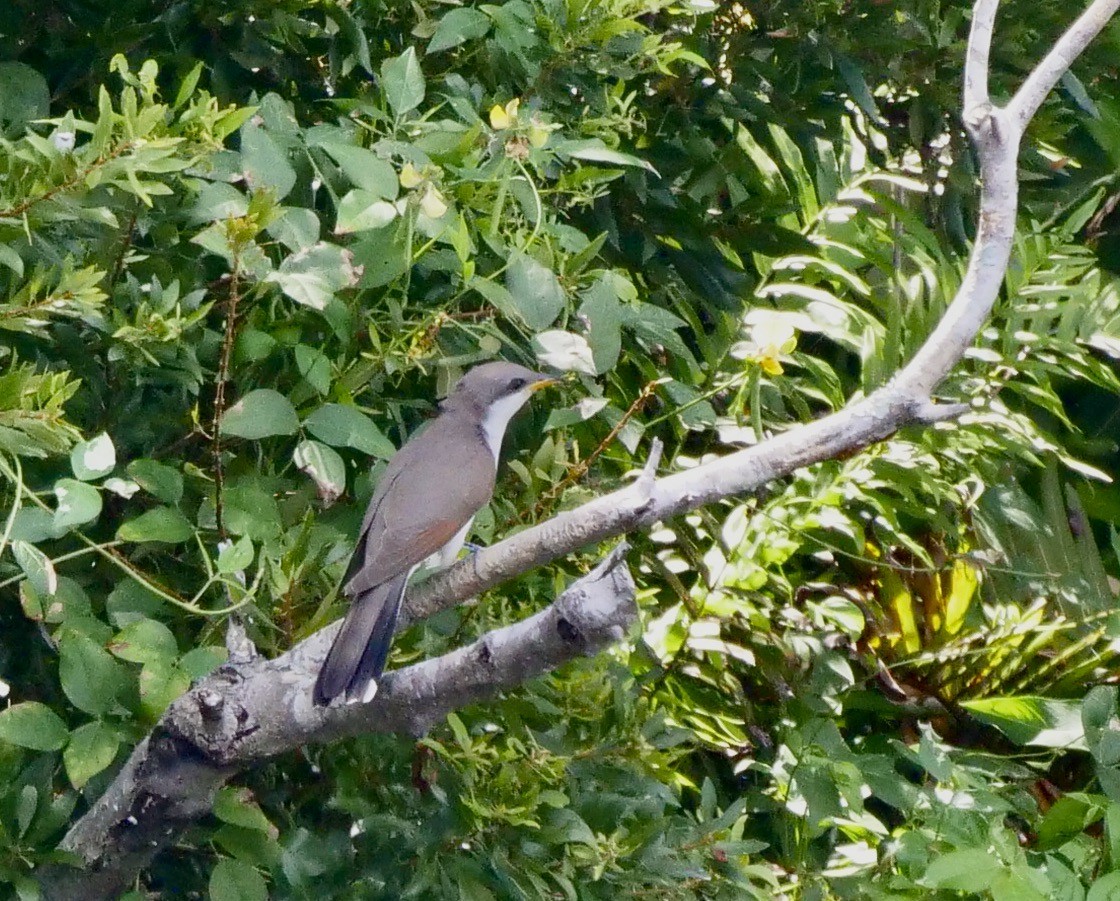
220	390
578	470
126	244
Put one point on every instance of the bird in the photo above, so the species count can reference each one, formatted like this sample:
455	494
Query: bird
421	511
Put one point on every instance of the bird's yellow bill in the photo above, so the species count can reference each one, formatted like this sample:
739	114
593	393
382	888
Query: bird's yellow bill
543	383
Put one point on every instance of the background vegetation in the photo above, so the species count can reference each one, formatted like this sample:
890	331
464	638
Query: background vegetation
244	245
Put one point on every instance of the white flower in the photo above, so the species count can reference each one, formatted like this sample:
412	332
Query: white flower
64	141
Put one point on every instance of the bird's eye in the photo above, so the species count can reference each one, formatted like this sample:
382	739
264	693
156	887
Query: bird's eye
516	384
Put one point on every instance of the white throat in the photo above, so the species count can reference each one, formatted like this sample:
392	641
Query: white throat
497	417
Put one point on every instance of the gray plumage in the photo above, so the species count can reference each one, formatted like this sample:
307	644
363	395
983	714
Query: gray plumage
423	505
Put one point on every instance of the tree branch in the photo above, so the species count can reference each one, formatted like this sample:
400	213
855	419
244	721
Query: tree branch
1056	63
240	715
976	57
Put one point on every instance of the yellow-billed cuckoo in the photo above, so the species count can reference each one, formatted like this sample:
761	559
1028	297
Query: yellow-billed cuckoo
422	508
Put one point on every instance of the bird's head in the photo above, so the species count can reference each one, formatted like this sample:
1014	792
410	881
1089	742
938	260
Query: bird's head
508	384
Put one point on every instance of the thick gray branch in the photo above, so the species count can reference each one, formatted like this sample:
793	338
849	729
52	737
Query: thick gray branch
242	714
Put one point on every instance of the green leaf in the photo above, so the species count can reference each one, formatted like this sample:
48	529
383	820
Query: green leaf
33	525
145	641
343	426
325	467
1097	710
365	169
236	557
90	678
130	601
265	163
361	210
459	730
32	725
561	417
969	870
261	414
217	201
564	825
858	88
595	151
24	96
160	481
403	82
233	880
601	310
383	254
200	662
315	366
26	808
251	509
237	807
78	503
1107	888
535	290
94	458
655	325
354	47
1026	720
164	524
10	258
1069	816
498	296
312	276
458	26
36	566
160	684
296	228
187	85
91	749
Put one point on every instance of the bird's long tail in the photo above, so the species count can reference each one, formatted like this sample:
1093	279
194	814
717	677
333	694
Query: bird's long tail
361	647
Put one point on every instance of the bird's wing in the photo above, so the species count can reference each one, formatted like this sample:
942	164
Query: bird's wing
423	500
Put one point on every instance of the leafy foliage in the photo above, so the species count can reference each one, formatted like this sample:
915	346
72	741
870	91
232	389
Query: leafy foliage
243	247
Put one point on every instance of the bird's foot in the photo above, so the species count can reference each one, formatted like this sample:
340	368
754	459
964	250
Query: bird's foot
472	550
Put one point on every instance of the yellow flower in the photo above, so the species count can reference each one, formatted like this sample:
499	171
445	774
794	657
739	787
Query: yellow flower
503	118
410	178
538	134
771	337
770	365
432	203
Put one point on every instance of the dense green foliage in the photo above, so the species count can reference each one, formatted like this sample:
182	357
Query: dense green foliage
244	245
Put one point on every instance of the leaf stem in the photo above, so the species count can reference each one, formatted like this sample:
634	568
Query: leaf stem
500	203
